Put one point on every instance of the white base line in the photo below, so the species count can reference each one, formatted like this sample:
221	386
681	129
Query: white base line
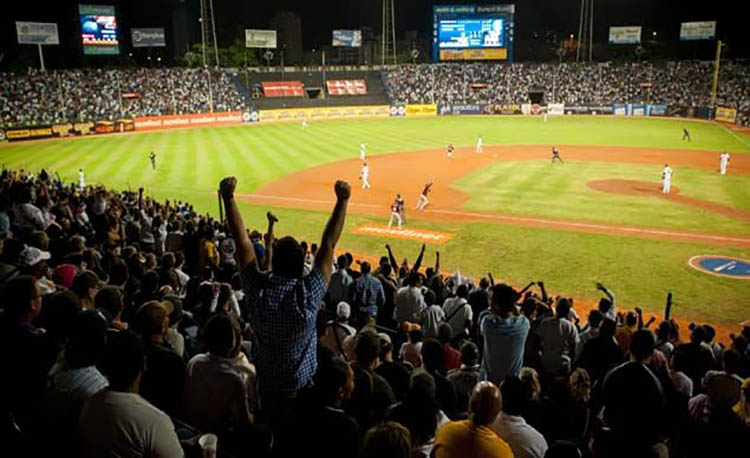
522	219
733	133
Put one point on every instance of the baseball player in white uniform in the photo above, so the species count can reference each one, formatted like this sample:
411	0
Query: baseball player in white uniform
362	151
666	179
479	144
396	211
81	179
423	197
364	175
545	115
304	123
723	162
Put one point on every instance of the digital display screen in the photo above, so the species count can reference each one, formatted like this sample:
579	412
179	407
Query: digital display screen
471	33
98	29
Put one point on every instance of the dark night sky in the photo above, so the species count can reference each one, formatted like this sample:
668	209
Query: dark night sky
321	16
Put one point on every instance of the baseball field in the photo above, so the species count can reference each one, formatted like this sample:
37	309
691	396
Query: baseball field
599	216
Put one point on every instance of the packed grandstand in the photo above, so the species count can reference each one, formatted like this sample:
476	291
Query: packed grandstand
70	96
326	356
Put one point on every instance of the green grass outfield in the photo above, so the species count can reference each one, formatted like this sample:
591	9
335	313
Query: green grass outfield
191	162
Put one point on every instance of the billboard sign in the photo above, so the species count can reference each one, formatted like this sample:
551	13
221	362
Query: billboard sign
260	38
37	33
98	29
472	32
146	38
625	35
348	38
698	30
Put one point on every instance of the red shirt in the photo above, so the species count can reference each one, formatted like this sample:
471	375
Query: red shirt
451	358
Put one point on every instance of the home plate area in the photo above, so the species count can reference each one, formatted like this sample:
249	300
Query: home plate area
420	235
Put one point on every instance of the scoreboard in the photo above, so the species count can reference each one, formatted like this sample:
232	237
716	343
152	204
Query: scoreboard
472	32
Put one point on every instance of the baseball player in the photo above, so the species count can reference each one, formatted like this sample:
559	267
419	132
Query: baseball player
396	208
423	197
556	156
666	179
304	123
364	175
402	207
723	162
685	134
545	115
81	179
362	150
450	151
479	144
152	157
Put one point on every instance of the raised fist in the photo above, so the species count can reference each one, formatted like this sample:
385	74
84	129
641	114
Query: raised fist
343	190
227	187
272	218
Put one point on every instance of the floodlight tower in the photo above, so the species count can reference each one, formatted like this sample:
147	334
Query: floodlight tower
585	31
208	33
388	51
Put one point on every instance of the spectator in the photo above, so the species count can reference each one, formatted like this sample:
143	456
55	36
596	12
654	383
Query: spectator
625	332
336	331
467	376
387	439
163	380
634	402
432	359
341	281
504	334
479	300
458	313
85	285
395	373
698	357
367	295
411	351
409	300
283	305
387	316
372	394
523	440
473	437
451	356
590	330
558	339
117	421
682	383
601	353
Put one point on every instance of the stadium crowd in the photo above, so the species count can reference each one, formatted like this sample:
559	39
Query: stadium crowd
132	327
684	83
89	95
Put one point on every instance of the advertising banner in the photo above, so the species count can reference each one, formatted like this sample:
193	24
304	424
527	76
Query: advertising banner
37	33
347	87
656	110
260	38
29	133
398	111
98	29
620	109
347	38
502	109
698	30
298	114
83	128
625	35
145	38
250	116
725	114
465	109
421	110
556	108
636	109
188	120
474	54
589	109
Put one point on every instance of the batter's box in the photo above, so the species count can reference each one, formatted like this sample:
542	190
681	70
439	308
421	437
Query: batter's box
419	235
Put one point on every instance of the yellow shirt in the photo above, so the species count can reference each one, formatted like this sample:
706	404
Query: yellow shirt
462	439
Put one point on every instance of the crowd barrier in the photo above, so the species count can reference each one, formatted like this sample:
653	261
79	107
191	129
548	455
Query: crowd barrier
66	130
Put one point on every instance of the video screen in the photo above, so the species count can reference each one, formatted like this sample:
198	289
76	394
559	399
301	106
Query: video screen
471	33
98	29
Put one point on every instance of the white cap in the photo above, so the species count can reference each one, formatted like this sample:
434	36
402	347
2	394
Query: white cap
31	256
343	310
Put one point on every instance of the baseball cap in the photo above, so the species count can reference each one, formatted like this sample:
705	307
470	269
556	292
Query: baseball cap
343	310
88	279
384	337
31	256
64	274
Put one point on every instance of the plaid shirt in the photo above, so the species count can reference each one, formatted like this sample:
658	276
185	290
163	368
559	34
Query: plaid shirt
367	293
282	312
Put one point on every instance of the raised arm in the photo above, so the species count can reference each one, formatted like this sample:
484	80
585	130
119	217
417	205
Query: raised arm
245	252
332	232
418	262
272	219
492	279
545	297
437	261
392	259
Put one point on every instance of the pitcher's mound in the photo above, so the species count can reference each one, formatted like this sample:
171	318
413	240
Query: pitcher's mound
630	187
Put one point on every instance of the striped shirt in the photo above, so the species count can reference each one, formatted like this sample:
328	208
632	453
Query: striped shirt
81	383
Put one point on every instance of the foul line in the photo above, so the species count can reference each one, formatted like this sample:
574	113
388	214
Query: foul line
522	219
734	134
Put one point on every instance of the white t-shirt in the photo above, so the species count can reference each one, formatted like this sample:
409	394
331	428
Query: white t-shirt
666	174
115	423
523	439
457	312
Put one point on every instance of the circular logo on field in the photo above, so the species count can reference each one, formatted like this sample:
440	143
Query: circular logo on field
722	266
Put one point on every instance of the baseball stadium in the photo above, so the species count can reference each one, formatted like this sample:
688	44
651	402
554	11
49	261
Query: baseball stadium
374	234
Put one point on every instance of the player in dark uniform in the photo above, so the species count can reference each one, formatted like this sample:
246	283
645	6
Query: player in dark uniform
152	156
556	156
685	134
